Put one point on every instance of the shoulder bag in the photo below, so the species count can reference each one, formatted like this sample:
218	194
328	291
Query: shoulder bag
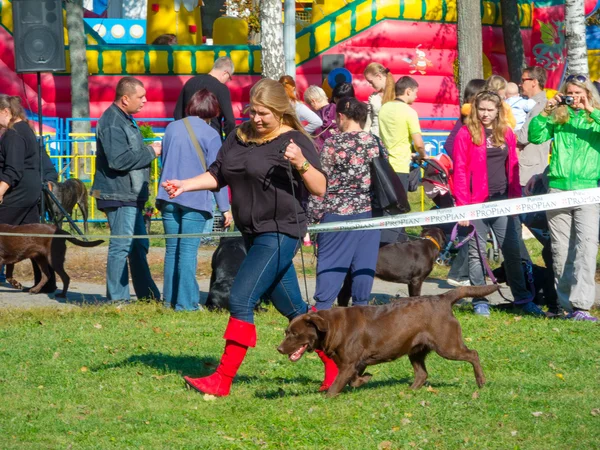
388	193
190	131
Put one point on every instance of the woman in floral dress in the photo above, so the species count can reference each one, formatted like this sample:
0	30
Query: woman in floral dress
346	160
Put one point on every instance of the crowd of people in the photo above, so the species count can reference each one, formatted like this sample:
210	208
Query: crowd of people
297	162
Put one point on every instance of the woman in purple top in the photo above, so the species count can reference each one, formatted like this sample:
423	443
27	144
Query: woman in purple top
188	213
316	98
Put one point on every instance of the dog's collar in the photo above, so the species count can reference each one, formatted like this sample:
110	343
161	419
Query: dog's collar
434	241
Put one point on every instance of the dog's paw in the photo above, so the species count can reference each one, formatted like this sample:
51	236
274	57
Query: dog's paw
359	381
14	283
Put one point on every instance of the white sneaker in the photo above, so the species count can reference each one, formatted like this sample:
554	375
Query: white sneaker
457	283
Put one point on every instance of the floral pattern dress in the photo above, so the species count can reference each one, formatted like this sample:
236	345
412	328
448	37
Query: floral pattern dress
346	160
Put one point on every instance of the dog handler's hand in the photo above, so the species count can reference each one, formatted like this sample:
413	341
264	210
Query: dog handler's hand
157	147
464	223
173	187
294	155
227	219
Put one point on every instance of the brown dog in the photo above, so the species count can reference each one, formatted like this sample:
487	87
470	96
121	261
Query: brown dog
69	193
404	262
363	336
45	251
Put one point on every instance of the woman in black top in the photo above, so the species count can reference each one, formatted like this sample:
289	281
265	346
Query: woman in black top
20	185
254	162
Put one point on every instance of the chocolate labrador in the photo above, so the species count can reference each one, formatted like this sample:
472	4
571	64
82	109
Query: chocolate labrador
45	251
363	336
69	193
408	262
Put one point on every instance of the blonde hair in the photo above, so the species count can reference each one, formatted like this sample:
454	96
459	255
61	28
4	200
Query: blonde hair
270	94
495	83
389	91
500	125
315	93
561	114
13	104
290	87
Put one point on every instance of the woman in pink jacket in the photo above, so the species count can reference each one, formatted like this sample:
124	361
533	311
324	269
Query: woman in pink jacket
485	170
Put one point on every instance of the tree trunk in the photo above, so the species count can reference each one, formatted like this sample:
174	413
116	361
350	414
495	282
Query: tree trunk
513	41
271	39
80	97
470	45
577	58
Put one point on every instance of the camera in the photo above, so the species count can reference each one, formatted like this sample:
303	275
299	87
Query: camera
567	100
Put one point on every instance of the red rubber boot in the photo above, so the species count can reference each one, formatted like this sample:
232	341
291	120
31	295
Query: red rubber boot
331	369
238	336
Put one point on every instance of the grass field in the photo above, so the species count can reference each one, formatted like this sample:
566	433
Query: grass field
110	377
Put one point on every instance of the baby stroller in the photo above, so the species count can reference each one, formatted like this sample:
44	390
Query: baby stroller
438	186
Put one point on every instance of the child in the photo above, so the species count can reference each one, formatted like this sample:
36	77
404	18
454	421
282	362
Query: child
520	106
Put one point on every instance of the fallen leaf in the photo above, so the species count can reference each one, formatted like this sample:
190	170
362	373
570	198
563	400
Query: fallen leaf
156	329
469	339
561	376
84	369
537	414
475	395
424	403
147	422
228	438
159	377
552	366
41	386
407	414
432	390
517	318
405	421
394	429
56	355
97	325
555	329
209	398
139	373
384	445
513	433
310	410
595	412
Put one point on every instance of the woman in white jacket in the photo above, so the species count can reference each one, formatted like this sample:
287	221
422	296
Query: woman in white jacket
308	118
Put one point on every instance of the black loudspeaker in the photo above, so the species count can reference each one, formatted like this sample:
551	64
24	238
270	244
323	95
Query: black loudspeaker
39	36
330	62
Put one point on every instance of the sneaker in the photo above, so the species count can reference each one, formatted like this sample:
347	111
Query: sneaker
457	283
532	309
582	315
482	309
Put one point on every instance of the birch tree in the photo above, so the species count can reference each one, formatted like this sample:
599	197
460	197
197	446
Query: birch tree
271	39
470	45
80	94
577	58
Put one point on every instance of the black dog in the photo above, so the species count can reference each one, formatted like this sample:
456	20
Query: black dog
543	282
225	264
70	193
404	262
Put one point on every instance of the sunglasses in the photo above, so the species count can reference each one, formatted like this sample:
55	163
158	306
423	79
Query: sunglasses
482	93
579	78
523	80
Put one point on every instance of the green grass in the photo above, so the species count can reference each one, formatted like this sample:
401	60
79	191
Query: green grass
107	377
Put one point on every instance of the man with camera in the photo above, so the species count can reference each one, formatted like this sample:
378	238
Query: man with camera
572	119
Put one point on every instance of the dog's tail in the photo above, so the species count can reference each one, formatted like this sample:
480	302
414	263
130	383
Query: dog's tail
470	291
79	242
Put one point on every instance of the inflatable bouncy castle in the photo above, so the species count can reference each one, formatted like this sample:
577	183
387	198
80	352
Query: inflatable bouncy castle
410	37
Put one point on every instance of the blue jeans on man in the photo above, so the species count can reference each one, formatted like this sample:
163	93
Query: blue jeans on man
128	220
268	270
180	290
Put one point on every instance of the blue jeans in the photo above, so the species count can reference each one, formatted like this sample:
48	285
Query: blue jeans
128	220
181	255
267	269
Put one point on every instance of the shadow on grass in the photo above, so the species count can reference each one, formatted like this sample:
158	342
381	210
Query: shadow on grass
194	366
296	391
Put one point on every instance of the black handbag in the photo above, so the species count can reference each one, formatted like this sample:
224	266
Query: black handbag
388	193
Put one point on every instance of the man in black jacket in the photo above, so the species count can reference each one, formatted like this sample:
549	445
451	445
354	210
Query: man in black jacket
215	81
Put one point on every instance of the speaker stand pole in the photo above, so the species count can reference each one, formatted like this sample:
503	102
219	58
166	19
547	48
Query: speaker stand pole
42	146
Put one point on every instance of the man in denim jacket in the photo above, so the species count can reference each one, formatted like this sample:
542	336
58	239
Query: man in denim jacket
121	190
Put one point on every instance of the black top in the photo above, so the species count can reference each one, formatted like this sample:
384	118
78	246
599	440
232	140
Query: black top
221	91
496	166
20	166
261	191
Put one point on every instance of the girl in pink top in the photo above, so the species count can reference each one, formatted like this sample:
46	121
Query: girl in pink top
485	170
